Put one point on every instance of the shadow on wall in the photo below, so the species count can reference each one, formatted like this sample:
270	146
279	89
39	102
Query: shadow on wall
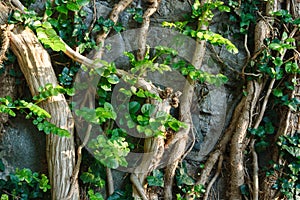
22	146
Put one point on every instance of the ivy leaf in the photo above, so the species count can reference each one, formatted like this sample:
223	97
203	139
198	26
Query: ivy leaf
278	62
277	92
148	109
275	46
113	79
87	177
291	67
73	6
83	2
134	107
157	178
62	9
183	178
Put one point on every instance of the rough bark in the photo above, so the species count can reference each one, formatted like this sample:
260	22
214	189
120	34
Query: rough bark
36	66
181	138
237	146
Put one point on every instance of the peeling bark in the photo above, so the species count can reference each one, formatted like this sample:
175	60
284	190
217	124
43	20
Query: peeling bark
35	63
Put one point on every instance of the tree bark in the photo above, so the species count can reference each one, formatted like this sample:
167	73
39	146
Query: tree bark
36	66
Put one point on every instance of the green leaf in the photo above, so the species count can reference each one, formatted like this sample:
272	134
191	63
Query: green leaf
131	124
157	178
259	132
183	178
291	67
278	61
82	2
148	132
269	128
24	175
73	6
244	190
94	196
2	167
275	46
87	177
284	36
113	79
4	197
277	92
148	109
62	9
134	107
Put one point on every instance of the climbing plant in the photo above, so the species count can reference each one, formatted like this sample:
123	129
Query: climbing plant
270	70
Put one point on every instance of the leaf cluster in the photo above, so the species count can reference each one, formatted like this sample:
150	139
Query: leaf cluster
261	133
245	14
93	177
98	115
289	183
199	75
23	184
187	184
110	152
203	14
137	14
35	112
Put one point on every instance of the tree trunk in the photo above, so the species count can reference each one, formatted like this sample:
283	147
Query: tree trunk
36	65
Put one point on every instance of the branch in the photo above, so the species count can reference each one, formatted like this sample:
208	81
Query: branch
114	16
19	5
214	178
110	181
213	157
255	171
138	186
145	27
78	163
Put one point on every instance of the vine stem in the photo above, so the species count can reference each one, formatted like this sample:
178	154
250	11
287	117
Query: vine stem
255	171
145	28
209	186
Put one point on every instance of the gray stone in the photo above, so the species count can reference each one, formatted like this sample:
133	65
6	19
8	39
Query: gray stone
23	146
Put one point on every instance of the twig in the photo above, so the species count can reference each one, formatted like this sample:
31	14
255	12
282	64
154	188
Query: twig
205	197
248	54
138	186
19	5
94	17
264	105
114	16
78	163
255	191
110	181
